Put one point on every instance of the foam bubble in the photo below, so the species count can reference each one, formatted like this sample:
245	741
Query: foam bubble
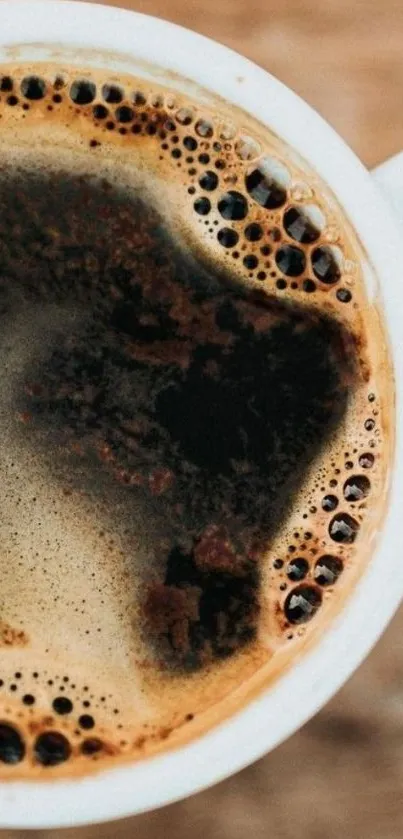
328	570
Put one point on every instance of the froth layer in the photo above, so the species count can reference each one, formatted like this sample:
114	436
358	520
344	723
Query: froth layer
172	537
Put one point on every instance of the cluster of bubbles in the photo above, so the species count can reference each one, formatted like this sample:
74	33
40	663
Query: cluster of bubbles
246	199
49	746
318	570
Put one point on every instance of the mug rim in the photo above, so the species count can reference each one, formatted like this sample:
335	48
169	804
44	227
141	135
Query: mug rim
308	684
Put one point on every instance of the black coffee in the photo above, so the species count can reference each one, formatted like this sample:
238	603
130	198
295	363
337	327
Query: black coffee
189	414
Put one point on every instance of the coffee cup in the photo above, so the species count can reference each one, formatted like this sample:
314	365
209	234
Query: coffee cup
126	42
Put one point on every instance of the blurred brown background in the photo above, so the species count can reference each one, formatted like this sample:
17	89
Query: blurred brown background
342	775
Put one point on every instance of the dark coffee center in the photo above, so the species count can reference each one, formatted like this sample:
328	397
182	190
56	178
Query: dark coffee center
207	399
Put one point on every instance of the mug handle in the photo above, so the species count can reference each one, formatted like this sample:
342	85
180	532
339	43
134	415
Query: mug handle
389	177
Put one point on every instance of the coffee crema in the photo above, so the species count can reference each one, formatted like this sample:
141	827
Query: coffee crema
195	422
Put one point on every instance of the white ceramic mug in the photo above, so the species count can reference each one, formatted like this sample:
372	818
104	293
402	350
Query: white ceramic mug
124	41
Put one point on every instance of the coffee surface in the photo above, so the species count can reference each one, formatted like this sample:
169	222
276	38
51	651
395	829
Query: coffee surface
195	416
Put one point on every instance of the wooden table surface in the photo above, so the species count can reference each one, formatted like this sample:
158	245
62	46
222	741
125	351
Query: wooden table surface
341	775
